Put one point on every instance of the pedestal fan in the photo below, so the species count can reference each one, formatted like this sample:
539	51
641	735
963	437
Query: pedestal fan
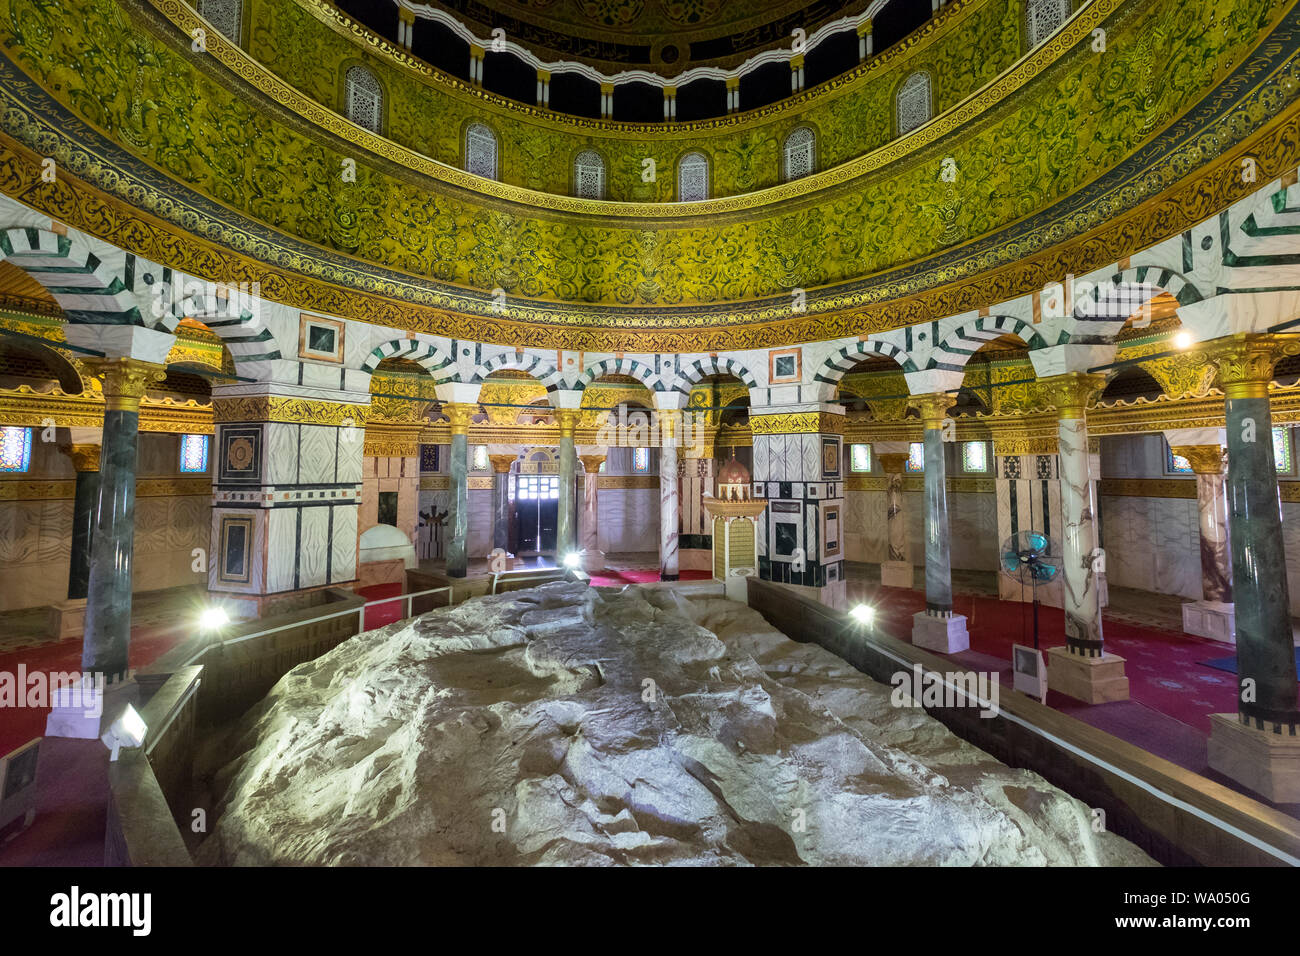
1031	557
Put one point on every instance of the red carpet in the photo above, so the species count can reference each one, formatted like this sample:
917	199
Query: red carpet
382	614
1162	666
610	578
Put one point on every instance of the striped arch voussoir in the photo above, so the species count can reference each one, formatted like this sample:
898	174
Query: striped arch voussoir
621	366
85	288
955	351
839	364
538	368
423	354
695	371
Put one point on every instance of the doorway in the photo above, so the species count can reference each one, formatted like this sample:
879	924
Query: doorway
537	506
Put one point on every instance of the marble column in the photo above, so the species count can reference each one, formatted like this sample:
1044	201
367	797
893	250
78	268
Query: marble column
564	523
501	503
1259	745
593	559
937	628
1081	669
458	499
896	570
85	459
108	581
1212	616
668	500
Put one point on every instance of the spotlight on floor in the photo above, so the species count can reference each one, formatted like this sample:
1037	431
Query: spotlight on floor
863	614
573	560
213	619
127	731
1183	339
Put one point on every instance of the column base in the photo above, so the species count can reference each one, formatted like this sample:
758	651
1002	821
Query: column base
592	560
1212	619
945	635
1261	760
833	595
1093	680
897	574
67	619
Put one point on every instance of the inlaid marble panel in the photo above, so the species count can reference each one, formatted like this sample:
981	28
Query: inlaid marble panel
314	546
343	561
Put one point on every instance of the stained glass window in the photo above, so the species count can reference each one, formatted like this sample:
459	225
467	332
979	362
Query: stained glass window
1282	450
800	153
538	487
913	102
860	458
365	100
589	175
975	457
916	456
480	457
15	448
693	178
194	453
640	461
481	151
1176	464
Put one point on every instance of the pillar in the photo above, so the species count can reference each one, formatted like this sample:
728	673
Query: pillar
669	501
796	73
501	504
606	100
896	570
733	94
564	524
670	103
937	628
593	559
1212	616
458	499
1258	746
108	580
544	88
1082	669
405	27
476	55
864	40
68	617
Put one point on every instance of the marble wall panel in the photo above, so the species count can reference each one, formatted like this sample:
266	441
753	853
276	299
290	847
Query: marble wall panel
314	546
629	520
282	530
282	453
343	561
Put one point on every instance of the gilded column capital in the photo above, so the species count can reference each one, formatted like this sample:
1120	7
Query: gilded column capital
592	463
1205	459
124	380
1072	392
1246	362
933	407
568	421
894	464
84	457
501	463
459	415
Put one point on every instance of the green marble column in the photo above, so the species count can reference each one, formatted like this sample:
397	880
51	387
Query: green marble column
85	459
564	524
1266	670
938	562
106	644
458	500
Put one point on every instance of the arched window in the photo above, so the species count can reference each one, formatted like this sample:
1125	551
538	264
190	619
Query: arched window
225	15
589	175
799	157
363	98
1043	18
913	102
481	151
693	178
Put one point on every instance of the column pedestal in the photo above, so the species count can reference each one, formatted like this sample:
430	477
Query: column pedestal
946	635
1212	619
1093	680
1260	760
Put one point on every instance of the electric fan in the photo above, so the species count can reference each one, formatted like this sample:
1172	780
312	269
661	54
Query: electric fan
1031	558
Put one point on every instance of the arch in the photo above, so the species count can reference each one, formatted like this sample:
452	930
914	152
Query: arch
1043	18
363	98
693	177
538	368
226	15
962	342
1109	306
480	151
799	154
691	373
85	288
913	103
843	361
247	338
620	366
589	175
427	356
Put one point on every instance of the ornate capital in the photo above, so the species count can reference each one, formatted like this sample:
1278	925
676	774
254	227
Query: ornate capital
568	419
1205	459
124	380
1073	392
592	463
501	463
1246	362
893	464
933	407
84	457
459	416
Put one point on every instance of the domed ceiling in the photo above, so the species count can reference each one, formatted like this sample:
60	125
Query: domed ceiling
667	36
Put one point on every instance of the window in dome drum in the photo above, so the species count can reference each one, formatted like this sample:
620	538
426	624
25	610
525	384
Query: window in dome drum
861	458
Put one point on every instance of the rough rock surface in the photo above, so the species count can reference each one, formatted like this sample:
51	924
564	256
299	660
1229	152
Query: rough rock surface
521	729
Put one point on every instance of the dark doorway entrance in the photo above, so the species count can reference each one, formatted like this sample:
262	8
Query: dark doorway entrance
537	508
